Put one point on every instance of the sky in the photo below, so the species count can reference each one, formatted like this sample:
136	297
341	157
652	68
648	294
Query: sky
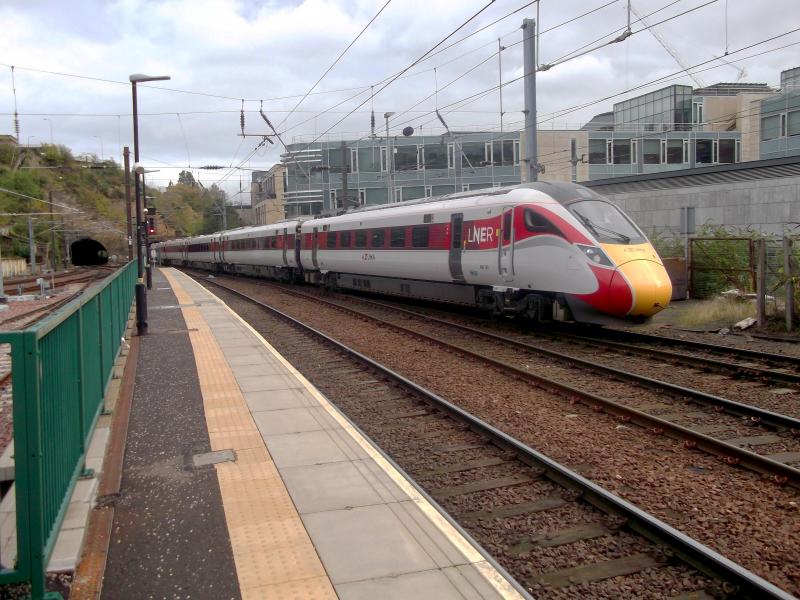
72	61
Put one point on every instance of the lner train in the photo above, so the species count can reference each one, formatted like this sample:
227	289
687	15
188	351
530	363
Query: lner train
544	250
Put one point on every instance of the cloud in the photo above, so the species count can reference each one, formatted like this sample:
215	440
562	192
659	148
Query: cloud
264	50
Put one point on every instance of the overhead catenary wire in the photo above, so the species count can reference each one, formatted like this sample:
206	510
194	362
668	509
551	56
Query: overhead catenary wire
335	62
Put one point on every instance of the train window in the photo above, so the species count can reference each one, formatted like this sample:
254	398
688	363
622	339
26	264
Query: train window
398	237
427	218
344	239
361	239
420	237
538	223
507	226
378	238
606	222
331	239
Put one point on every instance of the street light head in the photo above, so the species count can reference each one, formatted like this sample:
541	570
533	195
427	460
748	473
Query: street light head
138	168
141	78
387	115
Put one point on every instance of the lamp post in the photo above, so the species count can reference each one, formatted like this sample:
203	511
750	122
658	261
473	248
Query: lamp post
29	140
389	161
141	292
49	122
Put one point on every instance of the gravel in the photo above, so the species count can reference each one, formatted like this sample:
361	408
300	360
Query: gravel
739	514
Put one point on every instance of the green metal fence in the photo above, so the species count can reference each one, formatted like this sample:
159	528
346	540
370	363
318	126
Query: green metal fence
60	369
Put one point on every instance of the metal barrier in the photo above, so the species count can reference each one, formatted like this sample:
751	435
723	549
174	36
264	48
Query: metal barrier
60	369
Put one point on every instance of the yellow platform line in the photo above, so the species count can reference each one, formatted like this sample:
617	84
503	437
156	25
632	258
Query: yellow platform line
273	553
500	584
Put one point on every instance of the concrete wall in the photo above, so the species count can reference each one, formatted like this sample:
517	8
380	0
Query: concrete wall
769	205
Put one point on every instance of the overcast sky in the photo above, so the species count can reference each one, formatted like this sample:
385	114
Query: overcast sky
275	50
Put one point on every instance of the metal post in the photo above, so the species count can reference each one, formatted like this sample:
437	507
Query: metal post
788	272
761	282
31	246
389	161
500	49
529	70
344	175
146	226
53	247
126	155
141	294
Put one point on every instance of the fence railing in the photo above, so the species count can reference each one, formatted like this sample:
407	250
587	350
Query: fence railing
60	369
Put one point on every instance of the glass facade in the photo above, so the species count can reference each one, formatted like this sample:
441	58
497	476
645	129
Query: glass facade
780	119
668	109
420	166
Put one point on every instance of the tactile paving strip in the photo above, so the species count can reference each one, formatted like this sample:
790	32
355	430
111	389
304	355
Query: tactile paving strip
273	554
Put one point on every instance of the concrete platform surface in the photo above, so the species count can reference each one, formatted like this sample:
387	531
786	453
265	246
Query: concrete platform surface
312	509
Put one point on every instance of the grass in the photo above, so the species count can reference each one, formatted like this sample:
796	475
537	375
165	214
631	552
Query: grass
717	312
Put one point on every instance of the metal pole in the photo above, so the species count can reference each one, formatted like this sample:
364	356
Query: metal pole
53	248
2	283
31	246
141	293
148	268
500	70
761	282
390	195
344	175
789	288
126	155
529	66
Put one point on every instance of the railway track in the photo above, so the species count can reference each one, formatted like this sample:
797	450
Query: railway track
739	434
557	533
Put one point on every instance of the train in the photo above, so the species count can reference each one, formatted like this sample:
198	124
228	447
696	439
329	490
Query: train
542	250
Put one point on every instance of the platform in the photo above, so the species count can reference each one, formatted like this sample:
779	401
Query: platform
242	480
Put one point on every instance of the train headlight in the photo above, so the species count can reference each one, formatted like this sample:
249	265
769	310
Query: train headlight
596	255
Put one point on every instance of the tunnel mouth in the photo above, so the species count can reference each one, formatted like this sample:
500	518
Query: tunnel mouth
88	252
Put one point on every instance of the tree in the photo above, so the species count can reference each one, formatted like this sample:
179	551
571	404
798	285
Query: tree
186	178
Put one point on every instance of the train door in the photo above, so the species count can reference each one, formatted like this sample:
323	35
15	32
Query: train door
505	249
285	243
297	239
456	237
314	246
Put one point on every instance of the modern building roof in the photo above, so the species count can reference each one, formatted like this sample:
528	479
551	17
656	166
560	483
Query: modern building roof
731	89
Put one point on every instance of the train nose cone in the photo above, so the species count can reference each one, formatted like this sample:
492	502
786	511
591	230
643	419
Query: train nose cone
649	284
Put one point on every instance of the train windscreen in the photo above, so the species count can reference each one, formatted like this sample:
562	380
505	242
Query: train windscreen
606	222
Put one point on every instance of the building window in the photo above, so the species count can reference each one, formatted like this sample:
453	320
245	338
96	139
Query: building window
384	163
738	151
428	191
333	198
437	156
770	127
397	237
398	194
672	152
726	153
502	153
651	154
362	197
473	154
634	152
451	156
697	113
516	153
793	123
420	158
405	158
597	152
354	160
703	152
685	151
783	125
488	154
609	152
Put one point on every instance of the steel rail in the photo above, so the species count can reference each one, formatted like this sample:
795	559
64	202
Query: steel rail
769	357
756	414
686	359
730	454
686	548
